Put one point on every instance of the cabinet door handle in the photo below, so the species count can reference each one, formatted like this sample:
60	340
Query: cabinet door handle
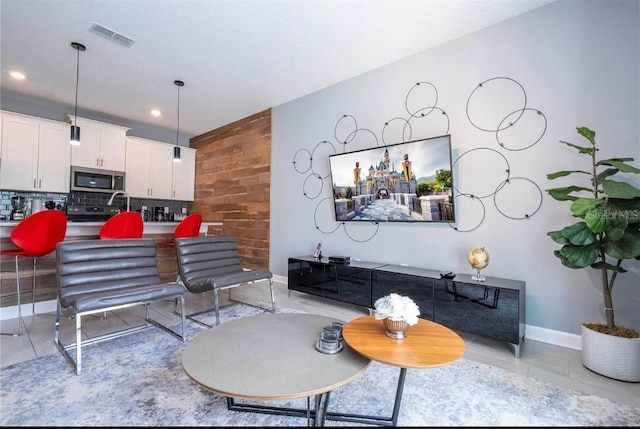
40	184
34	182
97	162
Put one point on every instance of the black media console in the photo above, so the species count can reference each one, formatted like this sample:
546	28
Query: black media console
494	308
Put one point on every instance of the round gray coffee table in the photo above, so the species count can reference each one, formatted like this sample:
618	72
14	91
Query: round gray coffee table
271	357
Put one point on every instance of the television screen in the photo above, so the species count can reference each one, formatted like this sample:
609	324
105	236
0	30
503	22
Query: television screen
403	182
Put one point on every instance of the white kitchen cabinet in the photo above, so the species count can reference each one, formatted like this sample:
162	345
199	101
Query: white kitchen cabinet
102	145
35	154
148	169
184	173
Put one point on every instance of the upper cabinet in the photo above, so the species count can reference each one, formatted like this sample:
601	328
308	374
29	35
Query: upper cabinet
184	174
151	172
35	154
148	172
101	146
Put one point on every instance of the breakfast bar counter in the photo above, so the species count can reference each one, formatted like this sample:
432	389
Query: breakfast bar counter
82	229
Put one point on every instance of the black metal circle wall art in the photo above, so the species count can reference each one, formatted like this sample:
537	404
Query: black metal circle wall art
373	234
406	131
491	101
481	216
342	122
422	87
302	161
316	218
518	198
496	105
502	136
322	160
420	120
483	170
312	186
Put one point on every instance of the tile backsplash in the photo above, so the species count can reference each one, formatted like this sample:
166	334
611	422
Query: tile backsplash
88	198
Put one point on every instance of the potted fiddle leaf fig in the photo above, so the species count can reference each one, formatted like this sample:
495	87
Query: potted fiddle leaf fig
606	237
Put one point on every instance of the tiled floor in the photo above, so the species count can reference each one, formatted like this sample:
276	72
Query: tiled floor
558	365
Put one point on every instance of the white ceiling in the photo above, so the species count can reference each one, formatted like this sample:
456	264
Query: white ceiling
236	57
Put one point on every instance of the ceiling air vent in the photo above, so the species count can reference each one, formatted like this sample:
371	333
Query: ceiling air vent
120	39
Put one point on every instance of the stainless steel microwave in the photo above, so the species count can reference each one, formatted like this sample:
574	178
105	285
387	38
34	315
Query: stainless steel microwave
95	180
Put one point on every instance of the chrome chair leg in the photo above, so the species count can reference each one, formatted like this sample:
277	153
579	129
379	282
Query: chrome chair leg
20	322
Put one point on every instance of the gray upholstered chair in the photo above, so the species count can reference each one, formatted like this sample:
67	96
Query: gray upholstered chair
95	276
212	264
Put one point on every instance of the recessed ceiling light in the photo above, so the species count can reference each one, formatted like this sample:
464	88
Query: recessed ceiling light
155	112
17	75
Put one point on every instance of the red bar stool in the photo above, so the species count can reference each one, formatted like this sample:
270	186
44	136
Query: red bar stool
188	227
35	236
122	225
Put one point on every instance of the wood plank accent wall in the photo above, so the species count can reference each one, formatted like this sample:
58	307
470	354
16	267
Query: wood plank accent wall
233	184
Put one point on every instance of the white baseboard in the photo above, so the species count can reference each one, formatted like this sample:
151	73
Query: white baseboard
557	338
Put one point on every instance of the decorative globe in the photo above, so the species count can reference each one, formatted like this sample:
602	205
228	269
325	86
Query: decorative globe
478	258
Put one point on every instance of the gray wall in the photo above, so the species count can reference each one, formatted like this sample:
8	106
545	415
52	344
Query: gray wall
578	62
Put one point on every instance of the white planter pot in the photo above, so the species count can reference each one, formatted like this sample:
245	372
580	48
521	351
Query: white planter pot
611	356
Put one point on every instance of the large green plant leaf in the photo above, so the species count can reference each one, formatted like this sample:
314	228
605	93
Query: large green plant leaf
622	190
597	220
582	206
562	194
579	234
564	173
620	165
580	256
629	209
564	260
628	246
581	149
558	237
617	225
588	134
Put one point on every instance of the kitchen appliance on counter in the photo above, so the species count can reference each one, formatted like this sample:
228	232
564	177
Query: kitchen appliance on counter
90	213
17	202
36	205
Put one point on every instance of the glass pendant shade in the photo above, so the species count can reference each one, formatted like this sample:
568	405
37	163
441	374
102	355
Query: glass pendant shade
176	154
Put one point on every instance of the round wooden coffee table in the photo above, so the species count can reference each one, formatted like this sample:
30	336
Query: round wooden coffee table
428	344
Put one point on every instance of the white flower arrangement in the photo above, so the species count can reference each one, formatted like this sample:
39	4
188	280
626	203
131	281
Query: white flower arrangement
397	307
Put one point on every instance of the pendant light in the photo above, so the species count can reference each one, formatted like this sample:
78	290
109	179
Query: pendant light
75	129
176	149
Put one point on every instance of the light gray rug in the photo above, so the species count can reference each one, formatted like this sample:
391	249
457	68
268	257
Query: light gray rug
139	381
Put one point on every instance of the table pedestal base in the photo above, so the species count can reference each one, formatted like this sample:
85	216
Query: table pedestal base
319	414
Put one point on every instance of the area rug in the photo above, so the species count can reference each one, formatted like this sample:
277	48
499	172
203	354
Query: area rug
138	380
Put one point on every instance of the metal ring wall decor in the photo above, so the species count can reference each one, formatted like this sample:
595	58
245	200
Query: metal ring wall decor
484	211
507	170
415	114
404	129
510	181
511	124
432	106
482	85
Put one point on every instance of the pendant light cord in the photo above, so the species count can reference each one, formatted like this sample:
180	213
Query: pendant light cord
77	81
178	83
178	127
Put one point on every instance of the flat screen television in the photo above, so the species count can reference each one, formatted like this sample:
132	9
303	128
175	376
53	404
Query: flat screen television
403	182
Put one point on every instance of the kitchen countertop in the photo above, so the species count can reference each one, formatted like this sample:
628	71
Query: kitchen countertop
75	229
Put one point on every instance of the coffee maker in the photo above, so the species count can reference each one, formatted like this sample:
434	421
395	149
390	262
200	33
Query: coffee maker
17	202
